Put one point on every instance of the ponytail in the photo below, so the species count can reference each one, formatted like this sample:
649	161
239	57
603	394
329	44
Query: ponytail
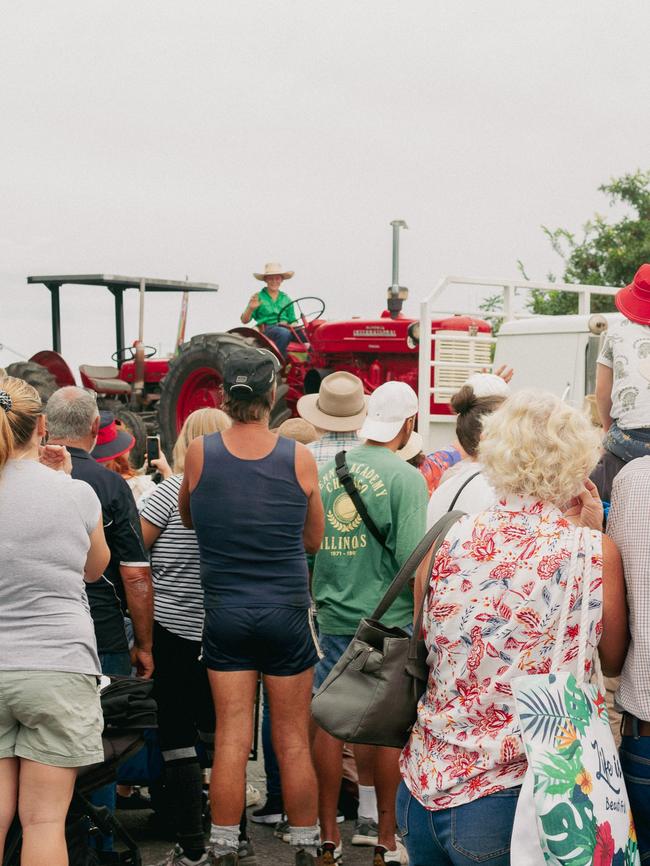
20	407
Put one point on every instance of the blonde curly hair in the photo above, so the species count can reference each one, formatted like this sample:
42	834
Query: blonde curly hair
537	445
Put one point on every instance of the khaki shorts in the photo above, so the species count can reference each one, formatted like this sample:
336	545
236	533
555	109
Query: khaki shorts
51	717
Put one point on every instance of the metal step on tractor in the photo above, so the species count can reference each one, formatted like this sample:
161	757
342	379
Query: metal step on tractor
155	395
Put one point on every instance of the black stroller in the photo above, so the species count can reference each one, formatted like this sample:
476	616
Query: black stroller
129	710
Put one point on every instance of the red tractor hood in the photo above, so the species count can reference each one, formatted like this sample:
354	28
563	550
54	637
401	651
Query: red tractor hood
363	335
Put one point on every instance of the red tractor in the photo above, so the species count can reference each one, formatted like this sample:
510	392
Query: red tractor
154	394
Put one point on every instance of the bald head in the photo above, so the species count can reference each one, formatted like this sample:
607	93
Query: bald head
72	415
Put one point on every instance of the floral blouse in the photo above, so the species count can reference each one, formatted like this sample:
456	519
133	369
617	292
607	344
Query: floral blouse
491	614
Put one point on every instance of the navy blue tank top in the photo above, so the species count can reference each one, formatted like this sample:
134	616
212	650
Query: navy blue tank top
249	517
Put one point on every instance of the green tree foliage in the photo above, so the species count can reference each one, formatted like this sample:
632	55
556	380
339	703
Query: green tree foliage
607	254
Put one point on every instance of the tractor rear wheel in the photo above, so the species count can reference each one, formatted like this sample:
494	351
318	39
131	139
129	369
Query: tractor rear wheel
134	423
37	376
194	381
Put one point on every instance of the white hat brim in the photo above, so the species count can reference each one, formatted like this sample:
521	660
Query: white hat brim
380	431
307	407
286	275
412	447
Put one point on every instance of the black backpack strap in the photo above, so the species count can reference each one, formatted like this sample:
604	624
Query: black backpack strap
347	482
461	488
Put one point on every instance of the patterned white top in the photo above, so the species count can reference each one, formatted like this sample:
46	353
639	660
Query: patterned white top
627	526
627	351
494	602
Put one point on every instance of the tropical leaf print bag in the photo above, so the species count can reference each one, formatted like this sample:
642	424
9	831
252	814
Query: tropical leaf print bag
573	791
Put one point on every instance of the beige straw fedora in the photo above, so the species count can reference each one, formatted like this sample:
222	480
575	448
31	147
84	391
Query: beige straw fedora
339	407
412	447
274	269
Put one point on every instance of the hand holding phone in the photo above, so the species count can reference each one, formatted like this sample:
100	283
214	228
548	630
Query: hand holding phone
153	449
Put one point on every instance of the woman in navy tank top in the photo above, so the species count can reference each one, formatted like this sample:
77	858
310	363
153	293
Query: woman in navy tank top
253	499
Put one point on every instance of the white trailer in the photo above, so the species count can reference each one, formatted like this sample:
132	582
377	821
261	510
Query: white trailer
555	353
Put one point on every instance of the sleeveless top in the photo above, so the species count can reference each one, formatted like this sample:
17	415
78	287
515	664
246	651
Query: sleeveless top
249	517
491	614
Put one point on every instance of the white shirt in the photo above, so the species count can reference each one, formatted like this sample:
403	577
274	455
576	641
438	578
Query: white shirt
476	496
627	351
627	526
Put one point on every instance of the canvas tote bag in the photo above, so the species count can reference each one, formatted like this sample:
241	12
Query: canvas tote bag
573	808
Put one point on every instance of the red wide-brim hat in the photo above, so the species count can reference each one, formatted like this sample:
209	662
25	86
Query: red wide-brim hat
112	440
634	300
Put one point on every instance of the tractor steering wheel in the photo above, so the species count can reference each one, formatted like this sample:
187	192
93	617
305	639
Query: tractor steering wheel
306	318
128	354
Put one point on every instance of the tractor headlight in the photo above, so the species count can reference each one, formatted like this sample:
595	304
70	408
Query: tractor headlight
413	333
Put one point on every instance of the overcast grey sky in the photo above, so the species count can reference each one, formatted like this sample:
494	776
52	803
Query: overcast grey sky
206	138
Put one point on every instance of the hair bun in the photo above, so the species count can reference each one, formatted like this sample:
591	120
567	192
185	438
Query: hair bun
464	400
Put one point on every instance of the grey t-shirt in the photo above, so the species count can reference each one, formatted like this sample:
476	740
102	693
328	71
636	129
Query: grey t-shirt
46	519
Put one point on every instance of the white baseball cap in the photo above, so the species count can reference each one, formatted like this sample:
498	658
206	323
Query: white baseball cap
388	408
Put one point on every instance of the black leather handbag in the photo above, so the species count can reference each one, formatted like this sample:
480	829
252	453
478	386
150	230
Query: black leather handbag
371	694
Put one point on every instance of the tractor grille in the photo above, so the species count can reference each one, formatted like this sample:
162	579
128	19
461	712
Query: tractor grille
456	358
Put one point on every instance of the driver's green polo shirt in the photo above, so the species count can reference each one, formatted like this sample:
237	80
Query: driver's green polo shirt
267	312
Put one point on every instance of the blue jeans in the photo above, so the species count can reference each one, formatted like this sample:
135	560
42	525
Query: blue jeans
476	832
282	336
628	444
635	762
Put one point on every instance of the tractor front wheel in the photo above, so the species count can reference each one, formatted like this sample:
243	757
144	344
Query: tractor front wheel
194	381
134	423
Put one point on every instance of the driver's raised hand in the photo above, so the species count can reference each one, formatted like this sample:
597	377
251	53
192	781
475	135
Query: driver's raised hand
254	302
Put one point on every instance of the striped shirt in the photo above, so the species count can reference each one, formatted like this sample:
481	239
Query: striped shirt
627	526
175	564
328	446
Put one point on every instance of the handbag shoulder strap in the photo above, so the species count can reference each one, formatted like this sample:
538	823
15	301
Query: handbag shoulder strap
461	488
435	536
343	474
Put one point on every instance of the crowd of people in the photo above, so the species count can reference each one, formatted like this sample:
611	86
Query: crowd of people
257	554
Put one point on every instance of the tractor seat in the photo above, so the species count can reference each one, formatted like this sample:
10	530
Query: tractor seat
104	380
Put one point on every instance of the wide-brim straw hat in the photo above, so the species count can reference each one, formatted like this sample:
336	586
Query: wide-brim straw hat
340	405
412	447
274	269
634	300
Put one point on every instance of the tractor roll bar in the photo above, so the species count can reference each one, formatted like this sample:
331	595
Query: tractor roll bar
116	286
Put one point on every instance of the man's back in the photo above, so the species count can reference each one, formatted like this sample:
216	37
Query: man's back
352	571
124	539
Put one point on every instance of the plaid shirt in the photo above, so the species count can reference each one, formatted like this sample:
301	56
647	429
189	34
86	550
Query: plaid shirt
627	526
328	447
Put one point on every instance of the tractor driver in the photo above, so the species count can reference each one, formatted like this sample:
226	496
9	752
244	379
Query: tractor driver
265	307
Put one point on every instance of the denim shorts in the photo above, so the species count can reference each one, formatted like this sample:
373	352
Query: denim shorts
476	832
332	647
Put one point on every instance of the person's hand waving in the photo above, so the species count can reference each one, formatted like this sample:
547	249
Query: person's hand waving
586	509
254	302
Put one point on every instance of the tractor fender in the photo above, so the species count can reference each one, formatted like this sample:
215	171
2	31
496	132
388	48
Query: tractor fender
258	339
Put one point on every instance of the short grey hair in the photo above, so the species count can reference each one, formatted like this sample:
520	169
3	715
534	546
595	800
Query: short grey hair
70	413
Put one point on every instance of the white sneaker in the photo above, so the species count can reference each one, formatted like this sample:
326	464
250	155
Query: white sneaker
331	854
253	796
176	858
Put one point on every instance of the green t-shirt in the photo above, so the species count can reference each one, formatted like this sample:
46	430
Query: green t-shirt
267	312
352	571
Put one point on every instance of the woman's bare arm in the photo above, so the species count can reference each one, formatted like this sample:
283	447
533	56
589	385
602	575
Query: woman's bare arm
615	636
150	533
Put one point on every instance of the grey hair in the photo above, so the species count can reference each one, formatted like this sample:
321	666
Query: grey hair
70	413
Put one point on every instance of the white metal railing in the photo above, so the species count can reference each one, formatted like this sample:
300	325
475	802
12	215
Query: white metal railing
509	289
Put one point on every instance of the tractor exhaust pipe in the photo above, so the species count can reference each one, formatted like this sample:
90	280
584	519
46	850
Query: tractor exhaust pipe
396	294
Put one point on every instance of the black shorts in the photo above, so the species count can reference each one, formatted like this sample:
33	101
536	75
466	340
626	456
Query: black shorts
278	641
